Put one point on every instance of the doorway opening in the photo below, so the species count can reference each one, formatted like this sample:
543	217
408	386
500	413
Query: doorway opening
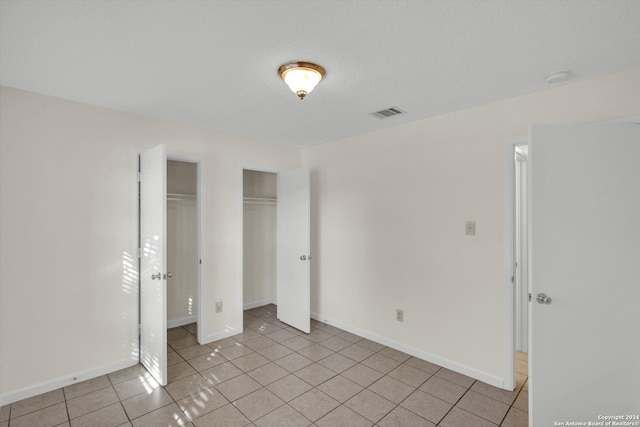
274	243
182	245
521	264
516	274
259	238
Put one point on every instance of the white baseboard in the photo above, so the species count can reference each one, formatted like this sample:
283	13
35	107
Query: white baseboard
429	357
73	378
228	332
182	321
254	304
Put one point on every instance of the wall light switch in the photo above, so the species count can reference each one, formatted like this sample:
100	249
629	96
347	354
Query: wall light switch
219	306
470	228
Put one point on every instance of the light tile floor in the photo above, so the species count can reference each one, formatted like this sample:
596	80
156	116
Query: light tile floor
274	375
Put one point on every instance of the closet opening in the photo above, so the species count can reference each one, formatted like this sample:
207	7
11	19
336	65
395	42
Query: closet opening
259	241
182	251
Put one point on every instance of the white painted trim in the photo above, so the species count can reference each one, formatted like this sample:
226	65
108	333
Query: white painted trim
67	380
135	241
240	293
509	379
228	332
633	120
530	151
429	357
202	313
254	304
182	321
521	287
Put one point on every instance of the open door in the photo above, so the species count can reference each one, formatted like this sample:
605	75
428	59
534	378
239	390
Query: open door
153	262
294	243
585	273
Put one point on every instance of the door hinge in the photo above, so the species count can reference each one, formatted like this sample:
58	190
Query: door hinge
139	176
529	296
139	329
513	278
139	252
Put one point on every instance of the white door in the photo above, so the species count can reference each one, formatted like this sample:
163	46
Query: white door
153	262
294	243
585	256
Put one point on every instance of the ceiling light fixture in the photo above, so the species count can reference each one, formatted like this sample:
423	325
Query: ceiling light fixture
301	77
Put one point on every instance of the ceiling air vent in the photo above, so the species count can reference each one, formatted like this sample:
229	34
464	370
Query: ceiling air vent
388	112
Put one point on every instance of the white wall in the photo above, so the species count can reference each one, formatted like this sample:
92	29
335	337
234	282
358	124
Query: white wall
389	212
67	296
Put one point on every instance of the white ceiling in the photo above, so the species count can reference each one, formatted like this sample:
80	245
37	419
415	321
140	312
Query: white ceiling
213	63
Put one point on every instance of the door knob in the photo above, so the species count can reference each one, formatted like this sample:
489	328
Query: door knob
543	299
169	275
303	258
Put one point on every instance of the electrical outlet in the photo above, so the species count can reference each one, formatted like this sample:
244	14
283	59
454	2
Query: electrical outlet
219	306
399	315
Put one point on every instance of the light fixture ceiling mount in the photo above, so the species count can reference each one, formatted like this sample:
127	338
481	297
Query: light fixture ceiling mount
301	77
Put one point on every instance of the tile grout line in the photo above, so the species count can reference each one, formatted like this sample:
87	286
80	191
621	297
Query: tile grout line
187	417
66	406
11	407
455	405
514	401
119	400
410	394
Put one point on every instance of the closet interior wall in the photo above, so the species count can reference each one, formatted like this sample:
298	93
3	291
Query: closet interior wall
182	243
259	238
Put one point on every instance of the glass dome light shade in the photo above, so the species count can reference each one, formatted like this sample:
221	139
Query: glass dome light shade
301	77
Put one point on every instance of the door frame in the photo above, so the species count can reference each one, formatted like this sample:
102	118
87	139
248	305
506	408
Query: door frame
521	263
509	271
200	225
240	301
199	162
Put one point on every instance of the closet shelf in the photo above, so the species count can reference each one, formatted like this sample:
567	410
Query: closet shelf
260	200
180	196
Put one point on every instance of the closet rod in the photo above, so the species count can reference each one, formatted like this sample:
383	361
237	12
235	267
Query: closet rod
260	200
180	196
